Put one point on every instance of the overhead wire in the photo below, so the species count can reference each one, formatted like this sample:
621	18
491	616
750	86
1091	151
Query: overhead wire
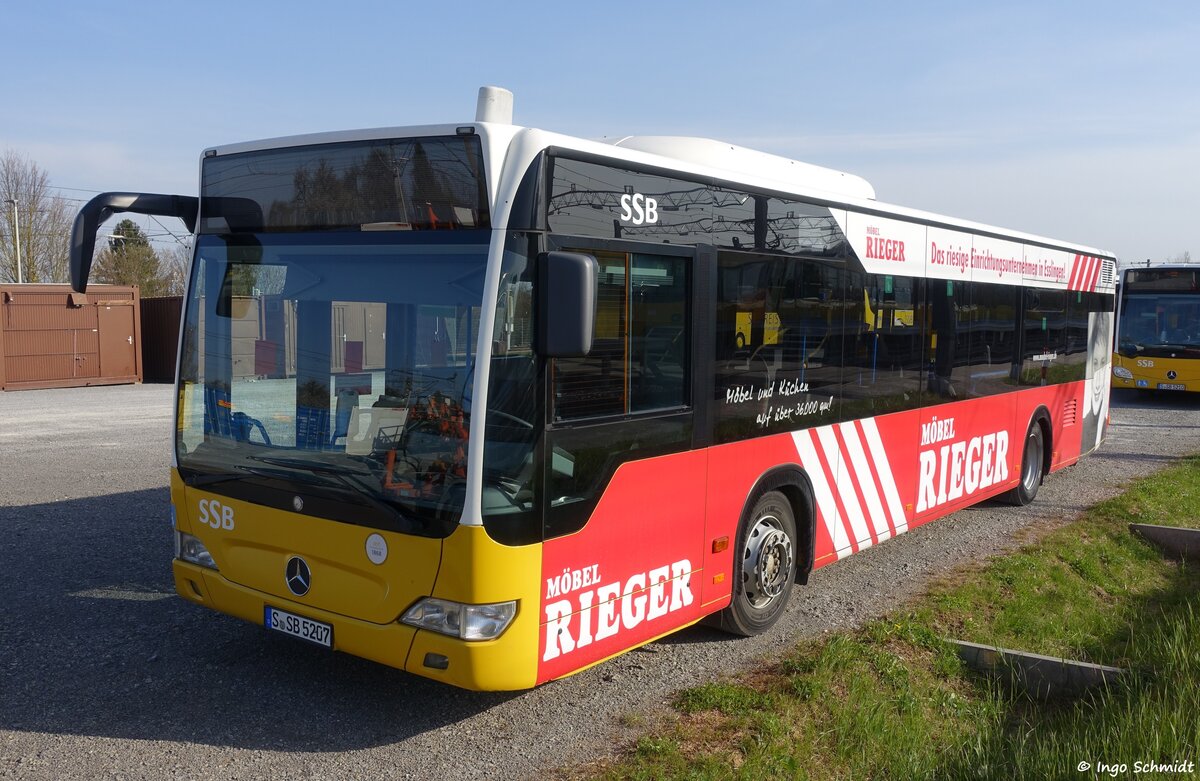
163	236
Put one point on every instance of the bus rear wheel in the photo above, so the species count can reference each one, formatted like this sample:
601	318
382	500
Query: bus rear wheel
1032	467
764	567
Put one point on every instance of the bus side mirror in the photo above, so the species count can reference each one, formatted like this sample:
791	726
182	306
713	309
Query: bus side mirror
567	287
96	211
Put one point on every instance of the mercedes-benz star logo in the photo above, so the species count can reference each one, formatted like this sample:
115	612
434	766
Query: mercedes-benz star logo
299	578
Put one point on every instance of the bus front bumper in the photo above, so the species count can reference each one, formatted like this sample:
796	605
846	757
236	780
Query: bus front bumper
492	665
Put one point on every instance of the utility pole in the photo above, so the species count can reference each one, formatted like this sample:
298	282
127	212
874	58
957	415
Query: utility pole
17	237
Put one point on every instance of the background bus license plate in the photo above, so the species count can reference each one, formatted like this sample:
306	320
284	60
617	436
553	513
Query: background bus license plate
298	626
1171	386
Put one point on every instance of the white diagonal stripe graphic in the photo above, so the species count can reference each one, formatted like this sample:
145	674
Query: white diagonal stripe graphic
862	470
826	506
884	468
845	488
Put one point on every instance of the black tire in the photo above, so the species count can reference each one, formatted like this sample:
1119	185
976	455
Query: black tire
1033	467
764	567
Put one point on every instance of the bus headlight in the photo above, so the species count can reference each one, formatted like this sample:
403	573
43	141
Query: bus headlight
191	550
1122	372
466	622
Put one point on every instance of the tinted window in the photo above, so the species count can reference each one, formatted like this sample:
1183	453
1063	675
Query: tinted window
511	469
733	219
658	337
779	335
1079	307
596	385
993	338
638	361
591	199
1174	280
1045	326
796	227
883	355
581	461
390	184
948	313
606	202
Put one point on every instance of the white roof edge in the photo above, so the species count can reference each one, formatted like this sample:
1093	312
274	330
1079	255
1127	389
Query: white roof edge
979	227
742	160
366	134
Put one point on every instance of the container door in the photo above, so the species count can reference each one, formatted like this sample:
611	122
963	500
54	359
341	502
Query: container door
118	353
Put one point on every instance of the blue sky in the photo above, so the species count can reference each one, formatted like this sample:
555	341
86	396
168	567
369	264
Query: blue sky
1079	121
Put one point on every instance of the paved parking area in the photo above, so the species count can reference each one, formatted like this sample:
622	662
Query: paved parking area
104	673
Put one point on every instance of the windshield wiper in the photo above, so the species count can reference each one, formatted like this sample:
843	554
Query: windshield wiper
199	480
346	483
300	463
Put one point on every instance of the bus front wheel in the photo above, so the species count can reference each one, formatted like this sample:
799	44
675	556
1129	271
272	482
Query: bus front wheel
764	567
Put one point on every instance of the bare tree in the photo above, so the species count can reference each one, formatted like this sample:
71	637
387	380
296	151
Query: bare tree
174	268
43	222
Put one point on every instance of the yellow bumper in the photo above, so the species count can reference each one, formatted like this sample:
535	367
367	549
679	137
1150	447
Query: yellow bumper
482	571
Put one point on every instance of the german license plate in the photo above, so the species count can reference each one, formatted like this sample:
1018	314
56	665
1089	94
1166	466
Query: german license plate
298	626
1171	386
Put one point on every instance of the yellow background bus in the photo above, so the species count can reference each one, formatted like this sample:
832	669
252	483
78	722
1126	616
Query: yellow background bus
1158	329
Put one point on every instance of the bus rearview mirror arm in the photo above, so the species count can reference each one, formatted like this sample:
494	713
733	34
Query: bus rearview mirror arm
567	289
97	211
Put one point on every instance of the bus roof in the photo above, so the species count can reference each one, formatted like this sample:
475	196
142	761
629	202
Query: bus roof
703	158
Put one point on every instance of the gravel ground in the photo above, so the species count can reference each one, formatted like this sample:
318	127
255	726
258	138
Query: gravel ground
105	674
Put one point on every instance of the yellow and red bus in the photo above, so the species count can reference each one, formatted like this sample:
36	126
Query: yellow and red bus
492	404
1158	328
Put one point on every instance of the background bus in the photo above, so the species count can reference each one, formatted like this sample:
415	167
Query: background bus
1158	329
492	404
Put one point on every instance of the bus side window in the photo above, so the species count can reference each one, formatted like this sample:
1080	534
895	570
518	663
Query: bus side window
993	338
595	385
884	356
658	333
1045	325
779	338
638	361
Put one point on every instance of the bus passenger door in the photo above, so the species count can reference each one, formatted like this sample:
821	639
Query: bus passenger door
624	498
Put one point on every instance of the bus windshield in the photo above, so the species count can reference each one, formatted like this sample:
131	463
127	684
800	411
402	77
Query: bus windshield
330	373
1156	324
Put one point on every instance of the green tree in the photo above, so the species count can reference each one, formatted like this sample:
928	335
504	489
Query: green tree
130	260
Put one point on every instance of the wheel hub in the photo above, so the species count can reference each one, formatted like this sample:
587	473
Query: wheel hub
767	563
1032	463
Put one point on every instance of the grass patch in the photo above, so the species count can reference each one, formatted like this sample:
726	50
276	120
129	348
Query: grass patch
891	700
